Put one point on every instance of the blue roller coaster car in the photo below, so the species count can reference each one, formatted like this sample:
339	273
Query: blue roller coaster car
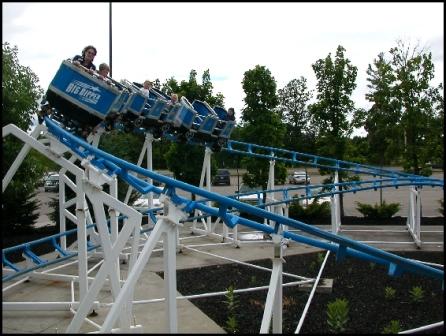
81	99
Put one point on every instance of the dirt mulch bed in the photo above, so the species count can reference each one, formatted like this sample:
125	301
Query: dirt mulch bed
360	282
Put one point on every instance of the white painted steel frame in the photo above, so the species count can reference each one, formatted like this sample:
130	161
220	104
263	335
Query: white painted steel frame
110	266
413	217
166	224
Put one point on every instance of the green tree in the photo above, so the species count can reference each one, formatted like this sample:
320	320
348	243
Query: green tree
263	125
382	122
178	156
20	96
414	70
126	146
293	108
336	82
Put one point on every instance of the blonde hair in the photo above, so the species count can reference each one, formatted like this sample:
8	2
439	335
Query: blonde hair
104	66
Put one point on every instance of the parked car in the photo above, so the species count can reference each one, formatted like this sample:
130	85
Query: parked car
142	203
318	200
254	194
222	177
300	177
51	183
44	177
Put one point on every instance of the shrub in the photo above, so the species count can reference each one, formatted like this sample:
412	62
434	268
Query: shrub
311	212
416	294
231	304
384	211
389	293
392	328
337	315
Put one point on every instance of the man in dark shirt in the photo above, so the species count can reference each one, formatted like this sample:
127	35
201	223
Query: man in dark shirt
86	60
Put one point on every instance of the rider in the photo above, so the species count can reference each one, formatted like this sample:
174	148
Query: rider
86	60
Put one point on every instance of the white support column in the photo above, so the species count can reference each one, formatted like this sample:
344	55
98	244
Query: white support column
111	258
112	211
273	305
205	173
270	185
171	217
208	154
62	218
20	157
335	208
81	207
414	216
149	155
147	150
170	278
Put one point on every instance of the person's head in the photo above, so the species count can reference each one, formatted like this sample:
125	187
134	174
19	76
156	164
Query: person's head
88	53
147	84
231	111
104	69
174	97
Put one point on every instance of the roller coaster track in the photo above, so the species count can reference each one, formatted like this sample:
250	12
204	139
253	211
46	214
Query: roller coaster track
343	246
277	154
106	165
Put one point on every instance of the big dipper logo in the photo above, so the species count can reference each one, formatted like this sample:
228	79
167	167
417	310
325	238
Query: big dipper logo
84	92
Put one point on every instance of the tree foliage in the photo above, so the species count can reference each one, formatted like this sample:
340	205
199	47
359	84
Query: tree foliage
336	82
383	118
126	146
263	125
20	95
414	71
405	124
179	156
293	108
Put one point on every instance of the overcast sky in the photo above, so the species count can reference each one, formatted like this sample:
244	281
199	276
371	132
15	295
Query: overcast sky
161	40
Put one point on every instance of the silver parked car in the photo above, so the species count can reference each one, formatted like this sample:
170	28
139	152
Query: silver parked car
51	183
300	177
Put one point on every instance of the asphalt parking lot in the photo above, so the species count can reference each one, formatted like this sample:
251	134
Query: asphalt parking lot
429	196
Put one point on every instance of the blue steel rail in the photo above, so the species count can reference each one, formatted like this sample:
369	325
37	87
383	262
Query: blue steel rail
352	187
271	153
339	244
26	248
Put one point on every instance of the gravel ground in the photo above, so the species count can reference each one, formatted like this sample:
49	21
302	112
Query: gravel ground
361	283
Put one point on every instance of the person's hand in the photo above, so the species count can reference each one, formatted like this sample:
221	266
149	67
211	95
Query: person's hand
77	63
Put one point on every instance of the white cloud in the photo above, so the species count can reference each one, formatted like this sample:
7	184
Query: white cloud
161	40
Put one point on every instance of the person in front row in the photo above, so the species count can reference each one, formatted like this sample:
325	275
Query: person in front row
86	59
231	114
147	85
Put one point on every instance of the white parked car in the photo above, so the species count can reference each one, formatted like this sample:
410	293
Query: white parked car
254	194
319	200
300	177
142	203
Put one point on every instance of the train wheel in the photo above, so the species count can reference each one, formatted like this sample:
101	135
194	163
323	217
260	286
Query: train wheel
139	121
165	128
216	147
222	142
157	133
